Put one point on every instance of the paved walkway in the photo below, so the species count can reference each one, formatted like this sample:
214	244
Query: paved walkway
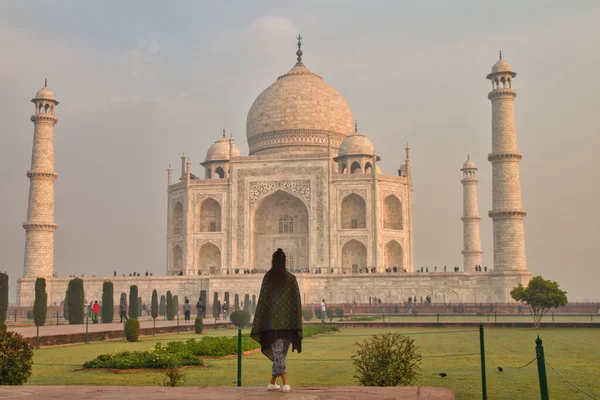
223	393
66	329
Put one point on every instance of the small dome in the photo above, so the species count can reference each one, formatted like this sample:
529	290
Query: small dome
469	164
45	93
219	151
501	66
356	144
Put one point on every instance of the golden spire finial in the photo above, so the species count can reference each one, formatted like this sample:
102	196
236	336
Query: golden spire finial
299	52
45	82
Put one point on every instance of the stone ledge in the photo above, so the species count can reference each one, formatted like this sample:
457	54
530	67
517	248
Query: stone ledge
223	393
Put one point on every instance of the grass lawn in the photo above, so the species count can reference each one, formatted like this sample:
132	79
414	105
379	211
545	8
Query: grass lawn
325	361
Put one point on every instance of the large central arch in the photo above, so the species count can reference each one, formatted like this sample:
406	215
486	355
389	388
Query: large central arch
280	221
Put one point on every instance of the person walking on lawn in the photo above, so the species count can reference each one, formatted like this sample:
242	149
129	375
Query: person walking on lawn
278	319
323	311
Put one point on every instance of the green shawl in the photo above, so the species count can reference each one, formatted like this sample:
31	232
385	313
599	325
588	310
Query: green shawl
278	314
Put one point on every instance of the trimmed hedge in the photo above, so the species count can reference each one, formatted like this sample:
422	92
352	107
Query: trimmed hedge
162	308
307	313
132	330
215	305
3	296
133	302
329	313
203	303
237	302
240	318
176	305
107	309
339	312
318	312
75	299
15	349
198	325
253	304
40	303
247	304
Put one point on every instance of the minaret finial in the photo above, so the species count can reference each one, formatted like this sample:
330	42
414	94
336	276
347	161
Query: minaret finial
45	82
223	131
468	157
501	54
299	52
355	126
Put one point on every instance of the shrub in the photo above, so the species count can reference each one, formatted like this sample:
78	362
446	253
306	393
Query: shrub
108	305
240	318
40	303
237	302
318	312
170	309
154	306
132	330
29	315
213	346
75	299
133	303
329	313
162	309
307	314
387	359
311	330
15	349
172	377
198	325
339	312
3	296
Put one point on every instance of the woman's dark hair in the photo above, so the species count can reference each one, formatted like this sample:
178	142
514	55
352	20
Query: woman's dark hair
278	269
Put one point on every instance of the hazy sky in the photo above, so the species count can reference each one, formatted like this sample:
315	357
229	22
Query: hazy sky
141	82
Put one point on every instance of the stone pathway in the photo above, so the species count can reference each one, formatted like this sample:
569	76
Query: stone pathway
223	393
52	330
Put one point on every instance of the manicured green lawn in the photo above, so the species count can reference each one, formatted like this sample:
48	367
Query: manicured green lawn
325	361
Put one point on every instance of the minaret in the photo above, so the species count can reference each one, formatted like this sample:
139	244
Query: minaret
40	225
472	240
507	211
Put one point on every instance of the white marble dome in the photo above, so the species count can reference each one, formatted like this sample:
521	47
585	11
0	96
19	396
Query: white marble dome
219	151
469	164
501	66
357	144
296	113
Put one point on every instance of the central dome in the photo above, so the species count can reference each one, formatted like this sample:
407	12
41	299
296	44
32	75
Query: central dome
296	114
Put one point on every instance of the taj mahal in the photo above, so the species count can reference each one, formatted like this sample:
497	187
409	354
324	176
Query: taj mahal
311	184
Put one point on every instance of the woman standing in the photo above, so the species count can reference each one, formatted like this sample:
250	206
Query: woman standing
278	318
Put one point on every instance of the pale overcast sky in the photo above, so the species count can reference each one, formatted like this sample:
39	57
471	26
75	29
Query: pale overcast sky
140	82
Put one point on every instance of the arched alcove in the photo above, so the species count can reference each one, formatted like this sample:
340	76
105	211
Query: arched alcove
355	168
209	217
177	218
354	256
209	259
393	255
392	213
177	259
353	212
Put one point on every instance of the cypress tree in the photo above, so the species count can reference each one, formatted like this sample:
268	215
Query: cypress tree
203	302
237	302
170	314
133	302
40	304
215	306
139	307
227	299
75	298
163	306
3	296
108	309
175	305
66	306
253	304
154	306
247	303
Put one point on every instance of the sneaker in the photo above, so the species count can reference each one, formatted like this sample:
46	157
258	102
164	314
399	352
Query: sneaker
286	389
273	387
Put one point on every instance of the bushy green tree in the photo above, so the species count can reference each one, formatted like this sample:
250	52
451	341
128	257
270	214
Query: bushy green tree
387	359
154	305
133	303
163	306
540	295
40	303
75	299
240	318
329	313
237	302
3	296
17	357
108	306
170	309
339	312
307	313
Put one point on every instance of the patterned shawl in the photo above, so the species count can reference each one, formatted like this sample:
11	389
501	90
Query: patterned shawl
278	315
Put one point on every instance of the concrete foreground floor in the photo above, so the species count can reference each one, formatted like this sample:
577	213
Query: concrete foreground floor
223	393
